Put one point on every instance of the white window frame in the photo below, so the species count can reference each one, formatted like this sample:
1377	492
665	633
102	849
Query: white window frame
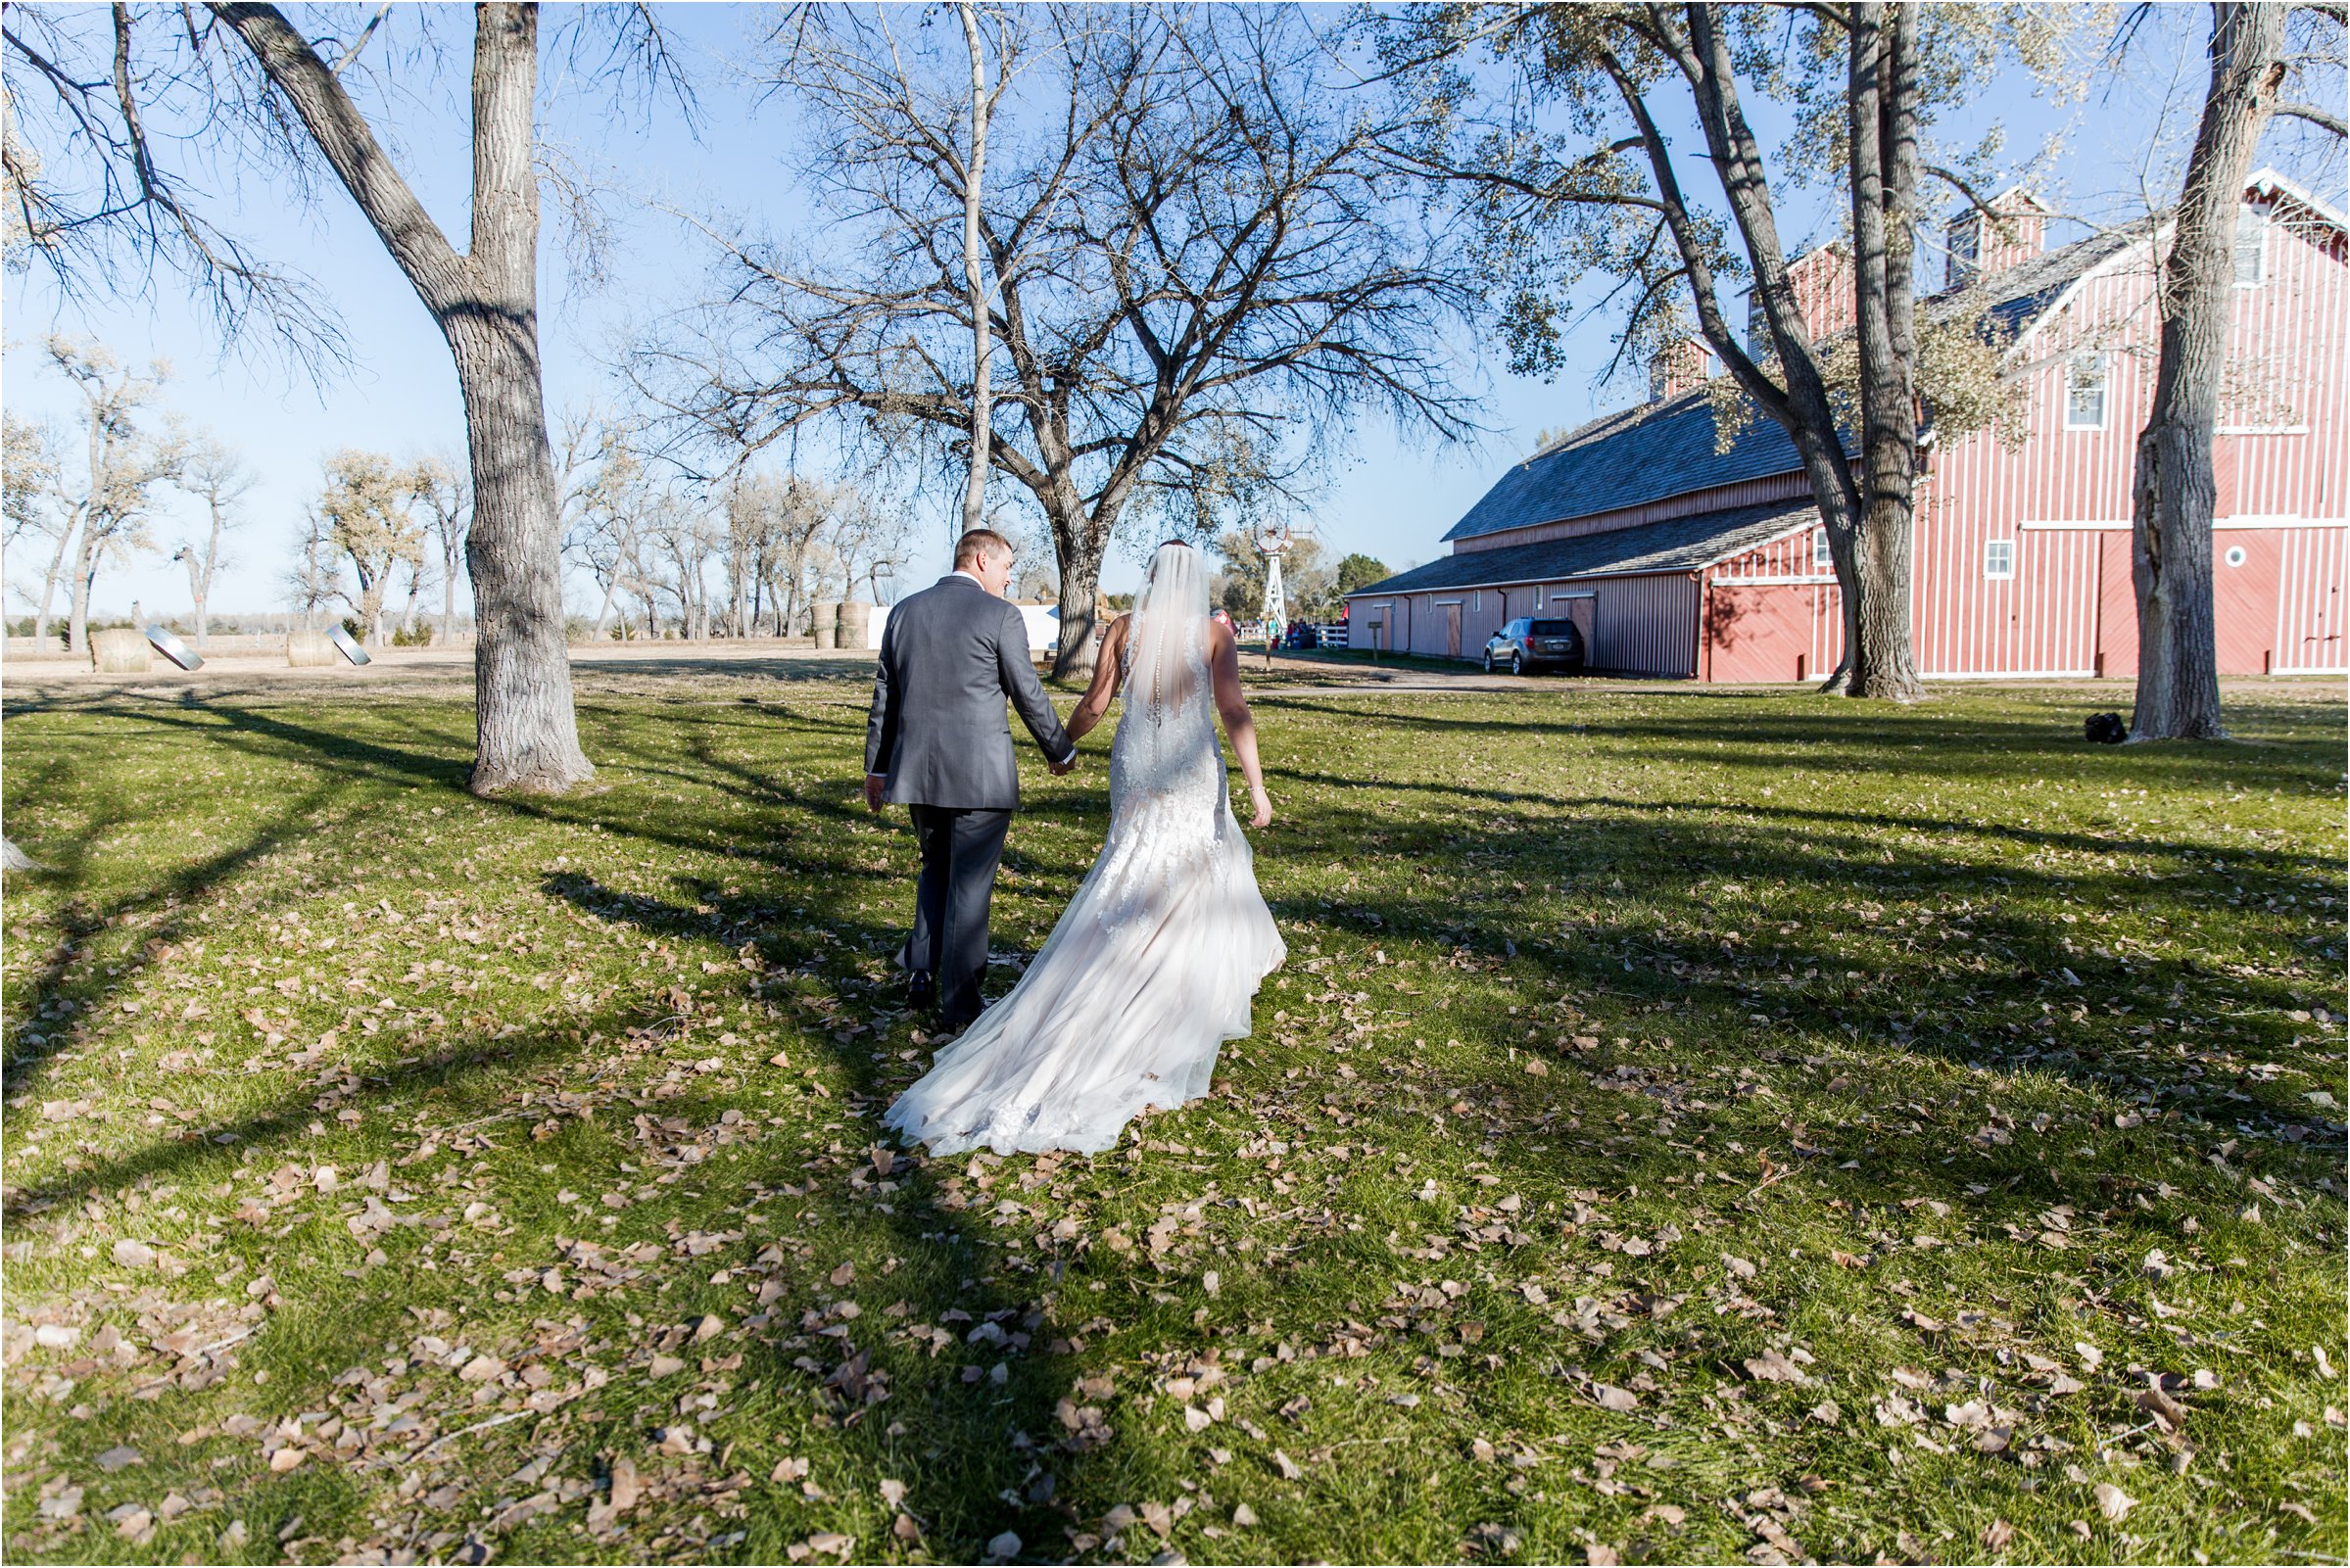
2104	364
1821	555
1965	262
2258	214
1999	559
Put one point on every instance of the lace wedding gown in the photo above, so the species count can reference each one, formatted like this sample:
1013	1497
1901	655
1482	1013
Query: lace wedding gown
1151	968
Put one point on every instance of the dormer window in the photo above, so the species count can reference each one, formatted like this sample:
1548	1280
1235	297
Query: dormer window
1821	558
1966	251
2251	243
2085	385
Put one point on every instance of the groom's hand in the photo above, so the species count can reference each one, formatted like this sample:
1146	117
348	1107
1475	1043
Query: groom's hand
1065	767
873	782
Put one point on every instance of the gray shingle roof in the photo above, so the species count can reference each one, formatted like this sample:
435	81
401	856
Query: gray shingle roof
1680	545
1648	452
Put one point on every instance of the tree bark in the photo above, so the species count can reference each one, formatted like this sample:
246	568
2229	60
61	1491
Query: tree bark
526	735
1882	119
975	488
1080	543
2175	491
50	580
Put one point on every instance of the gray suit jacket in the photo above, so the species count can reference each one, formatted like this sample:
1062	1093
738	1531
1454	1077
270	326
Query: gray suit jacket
939	733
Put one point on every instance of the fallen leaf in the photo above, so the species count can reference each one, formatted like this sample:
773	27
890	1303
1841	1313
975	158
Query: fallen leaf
2113	1502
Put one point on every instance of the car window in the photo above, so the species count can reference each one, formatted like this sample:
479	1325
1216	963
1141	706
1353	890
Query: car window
1552	629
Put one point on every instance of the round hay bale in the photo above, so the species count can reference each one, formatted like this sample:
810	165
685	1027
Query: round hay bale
306	651
119	650
856	621
827	612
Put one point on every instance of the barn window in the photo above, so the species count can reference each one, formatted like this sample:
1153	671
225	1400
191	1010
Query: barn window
1998	557
2085	382
1966	251
1820	558
2251	243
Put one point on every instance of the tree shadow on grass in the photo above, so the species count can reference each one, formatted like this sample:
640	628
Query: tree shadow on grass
907	1387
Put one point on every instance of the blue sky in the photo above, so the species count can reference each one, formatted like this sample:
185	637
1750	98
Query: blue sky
1388	499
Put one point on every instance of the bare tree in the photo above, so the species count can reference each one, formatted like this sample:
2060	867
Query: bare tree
2176	489
315	579
168	66
446	489
1197	232
217	476
366	507
32	473
974	285
109	508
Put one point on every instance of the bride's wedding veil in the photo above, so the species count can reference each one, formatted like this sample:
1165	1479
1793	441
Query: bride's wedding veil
1164	663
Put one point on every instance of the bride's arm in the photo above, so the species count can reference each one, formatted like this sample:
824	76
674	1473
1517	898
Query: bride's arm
1097	701
1238	722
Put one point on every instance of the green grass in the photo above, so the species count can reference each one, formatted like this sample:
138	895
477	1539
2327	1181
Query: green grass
1689	1126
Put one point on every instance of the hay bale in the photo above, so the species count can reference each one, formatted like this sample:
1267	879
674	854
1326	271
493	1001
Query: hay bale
119	650
827	613
306	650
856	621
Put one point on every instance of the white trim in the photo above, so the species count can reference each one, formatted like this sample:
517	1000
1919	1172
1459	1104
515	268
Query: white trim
1828	580
2006	675
2241	521
2270	180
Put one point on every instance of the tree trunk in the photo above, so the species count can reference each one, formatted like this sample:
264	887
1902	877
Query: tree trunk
526	735
450	561
975	488
50	580
85	572
197	596
1078	545
2176	492
1879	657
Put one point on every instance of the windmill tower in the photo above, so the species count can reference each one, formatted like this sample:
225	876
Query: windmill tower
1273	540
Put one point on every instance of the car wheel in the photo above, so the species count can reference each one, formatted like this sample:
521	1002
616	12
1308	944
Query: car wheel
1518	664
1489	661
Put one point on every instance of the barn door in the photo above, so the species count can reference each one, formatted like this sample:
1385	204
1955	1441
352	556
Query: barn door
1584	611
1452	631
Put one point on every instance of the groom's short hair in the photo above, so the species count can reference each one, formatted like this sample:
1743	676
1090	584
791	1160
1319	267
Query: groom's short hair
971	546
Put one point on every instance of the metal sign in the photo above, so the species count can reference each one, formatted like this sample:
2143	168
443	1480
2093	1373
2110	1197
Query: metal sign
344	642
168	644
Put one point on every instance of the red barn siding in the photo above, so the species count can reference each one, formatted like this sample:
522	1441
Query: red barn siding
2058	502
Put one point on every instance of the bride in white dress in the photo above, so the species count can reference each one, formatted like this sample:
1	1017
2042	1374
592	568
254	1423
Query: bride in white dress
1154	963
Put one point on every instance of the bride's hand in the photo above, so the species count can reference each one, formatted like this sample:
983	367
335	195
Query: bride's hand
1263	813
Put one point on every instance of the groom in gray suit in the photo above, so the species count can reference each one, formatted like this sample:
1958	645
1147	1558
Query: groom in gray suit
939	741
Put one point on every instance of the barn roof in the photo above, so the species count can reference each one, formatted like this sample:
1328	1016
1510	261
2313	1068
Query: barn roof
1646	453
1678	545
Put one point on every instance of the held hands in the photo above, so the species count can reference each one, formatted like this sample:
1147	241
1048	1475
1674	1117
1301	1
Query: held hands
874	784
1061	769
1262	804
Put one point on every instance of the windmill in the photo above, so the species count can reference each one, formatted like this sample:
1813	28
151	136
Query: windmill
1273	540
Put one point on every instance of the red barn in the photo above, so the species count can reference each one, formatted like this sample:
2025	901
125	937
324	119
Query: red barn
1682	557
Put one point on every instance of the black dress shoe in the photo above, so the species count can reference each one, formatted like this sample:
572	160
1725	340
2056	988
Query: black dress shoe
921	990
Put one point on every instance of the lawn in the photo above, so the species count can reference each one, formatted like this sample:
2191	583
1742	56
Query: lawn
1690	1125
